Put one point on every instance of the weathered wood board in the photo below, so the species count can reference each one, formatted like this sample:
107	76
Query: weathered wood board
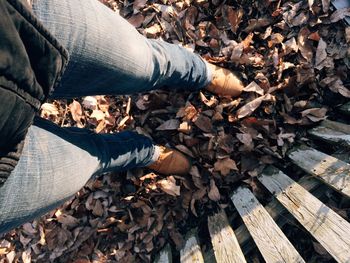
332	171
191	252
164	256
272	243
223	239
278	212
327	227
332	132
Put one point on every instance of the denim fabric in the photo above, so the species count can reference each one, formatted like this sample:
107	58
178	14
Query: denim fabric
108	56
56	162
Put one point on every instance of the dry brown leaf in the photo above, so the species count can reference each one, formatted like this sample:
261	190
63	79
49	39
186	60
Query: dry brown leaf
49	109
315	114
209	102
290	45
305	47
246	139
339	14
250	107
169	186
224	166
26	256
68	220
325	5
275	39
204	123
234	17
98	208
321	54
153	31
335	85
90	102
254	87
138	4
98	115
256	24
136	20
168	125
214	193
77	113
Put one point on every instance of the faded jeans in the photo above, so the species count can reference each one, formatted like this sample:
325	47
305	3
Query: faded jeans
107	56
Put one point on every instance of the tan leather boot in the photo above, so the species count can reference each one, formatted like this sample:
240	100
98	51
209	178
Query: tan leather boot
224	82
171	161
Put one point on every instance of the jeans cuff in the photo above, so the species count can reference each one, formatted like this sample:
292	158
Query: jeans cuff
209	73
155	156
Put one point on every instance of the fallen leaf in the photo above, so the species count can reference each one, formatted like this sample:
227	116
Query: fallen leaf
169	186
214	193
168	125
250	107
325	5
290	45
321	54
305	47
339	14
234	17
77	113
49	109
136	20
204	123
224	166
26	256
90	103
254	87
315	114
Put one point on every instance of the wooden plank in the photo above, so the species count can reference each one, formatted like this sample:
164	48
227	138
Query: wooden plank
164	256
332	171
191	252
278	212
332	132
223	239
327	227
345	108
272	243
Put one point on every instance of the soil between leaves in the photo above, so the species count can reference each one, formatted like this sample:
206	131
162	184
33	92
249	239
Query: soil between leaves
293	58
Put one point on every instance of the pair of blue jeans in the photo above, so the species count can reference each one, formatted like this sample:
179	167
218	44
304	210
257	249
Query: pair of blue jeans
107	56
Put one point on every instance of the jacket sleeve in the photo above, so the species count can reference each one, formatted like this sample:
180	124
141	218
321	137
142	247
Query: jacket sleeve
31	65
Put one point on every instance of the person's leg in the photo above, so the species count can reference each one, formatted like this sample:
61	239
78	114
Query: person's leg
109	56
56	163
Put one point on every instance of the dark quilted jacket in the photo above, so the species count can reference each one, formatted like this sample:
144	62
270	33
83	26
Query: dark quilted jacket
31	64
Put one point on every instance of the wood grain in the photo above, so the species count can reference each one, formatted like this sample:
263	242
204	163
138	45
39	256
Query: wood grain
332	132
272	243
164	256
223	239
191	252
278	212
327	227
332	171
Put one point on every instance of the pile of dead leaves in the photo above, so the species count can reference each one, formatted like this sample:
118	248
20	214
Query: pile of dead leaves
293	57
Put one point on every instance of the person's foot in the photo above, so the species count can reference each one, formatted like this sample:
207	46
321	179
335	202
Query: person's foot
224	82
171	161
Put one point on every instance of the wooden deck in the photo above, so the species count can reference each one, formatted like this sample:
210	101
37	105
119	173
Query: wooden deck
300	200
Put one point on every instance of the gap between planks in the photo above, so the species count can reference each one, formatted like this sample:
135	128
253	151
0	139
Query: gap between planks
223	239
269	238
332	171
327	227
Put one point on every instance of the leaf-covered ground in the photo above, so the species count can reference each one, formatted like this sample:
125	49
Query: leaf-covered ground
293	57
